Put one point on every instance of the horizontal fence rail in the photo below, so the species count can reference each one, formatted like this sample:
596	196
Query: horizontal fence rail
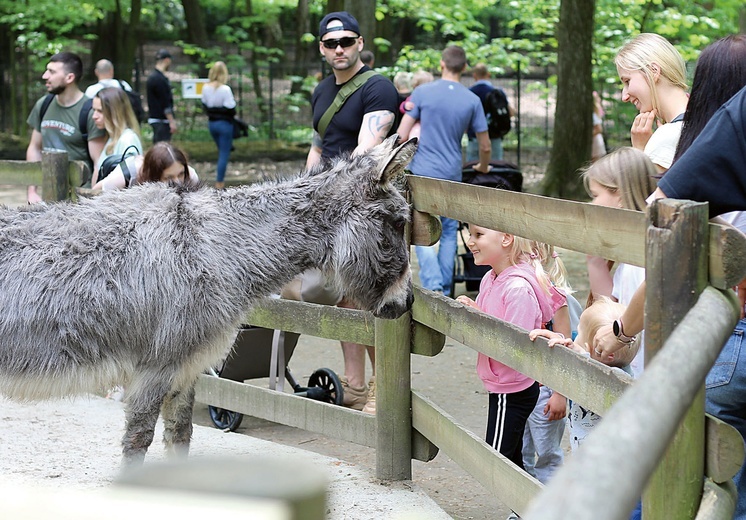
615	234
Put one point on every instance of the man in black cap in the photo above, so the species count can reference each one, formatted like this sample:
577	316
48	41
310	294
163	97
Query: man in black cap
363	121
160	99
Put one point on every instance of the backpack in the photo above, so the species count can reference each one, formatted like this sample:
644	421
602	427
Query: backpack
497	112
136	102
82	118
111	162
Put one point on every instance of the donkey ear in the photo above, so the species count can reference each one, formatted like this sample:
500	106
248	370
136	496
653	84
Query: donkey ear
398	160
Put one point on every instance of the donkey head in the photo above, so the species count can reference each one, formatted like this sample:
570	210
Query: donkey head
370	256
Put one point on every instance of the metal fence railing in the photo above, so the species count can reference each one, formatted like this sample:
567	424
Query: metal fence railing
282	111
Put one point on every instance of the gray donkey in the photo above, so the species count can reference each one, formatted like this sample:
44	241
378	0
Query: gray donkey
146	286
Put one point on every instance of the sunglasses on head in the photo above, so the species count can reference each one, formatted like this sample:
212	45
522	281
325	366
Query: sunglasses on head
333	43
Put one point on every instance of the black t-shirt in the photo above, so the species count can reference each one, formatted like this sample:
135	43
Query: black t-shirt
160	98
378	93
713	169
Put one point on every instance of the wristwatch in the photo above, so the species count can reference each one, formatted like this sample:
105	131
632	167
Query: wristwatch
619	333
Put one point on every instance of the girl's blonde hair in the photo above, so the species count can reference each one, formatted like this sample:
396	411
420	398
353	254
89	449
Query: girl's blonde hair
646	50
524	250
218	72
553	266
118	114
626	171
603	312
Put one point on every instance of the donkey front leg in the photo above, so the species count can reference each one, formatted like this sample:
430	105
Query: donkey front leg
144	397
177	421
139	432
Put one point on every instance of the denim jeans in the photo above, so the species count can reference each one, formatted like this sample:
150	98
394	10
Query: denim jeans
472	150
221	131
436	267
725	398
542	450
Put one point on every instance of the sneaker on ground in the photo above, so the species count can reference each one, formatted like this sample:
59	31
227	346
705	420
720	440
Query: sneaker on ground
353	397
370	404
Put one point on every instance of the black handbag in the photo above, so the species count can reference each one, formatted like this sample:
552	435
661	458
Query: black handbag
240	128
111	162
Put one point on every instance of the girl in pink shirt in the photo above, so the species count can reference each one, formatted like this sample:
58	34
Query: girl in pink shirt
517	291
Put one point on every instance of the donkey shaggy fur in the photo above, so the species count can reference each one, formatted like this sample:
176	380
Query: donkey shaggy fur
146	286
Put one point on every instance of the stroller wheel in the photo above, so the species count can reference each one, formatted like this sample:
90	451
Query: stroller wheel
225	419
328	381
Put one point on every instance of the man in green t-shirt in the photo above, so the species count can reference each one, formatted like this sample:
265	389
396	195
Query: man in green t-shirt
58	130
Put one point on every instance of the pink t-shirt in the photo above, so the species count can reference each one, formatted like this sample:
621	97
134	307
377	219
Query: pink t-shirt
515	296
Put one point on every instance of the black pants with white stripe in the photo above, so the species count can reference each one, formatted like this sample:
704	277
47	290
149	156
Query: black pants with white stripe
507	420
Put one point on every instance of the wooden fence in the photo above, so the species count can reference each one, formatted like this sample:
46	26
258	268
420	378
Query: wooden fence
655	440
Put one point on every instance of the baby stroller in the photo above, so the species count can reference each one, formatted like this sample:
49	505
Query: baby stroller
504	175
259	352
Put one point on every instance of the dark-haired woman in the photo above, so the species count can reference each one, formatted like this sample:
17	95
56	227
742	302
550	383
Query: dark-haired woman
164	162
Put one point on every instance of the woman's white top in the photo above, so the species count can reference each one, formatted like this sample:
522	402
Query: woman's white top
128	138
661	146
218	97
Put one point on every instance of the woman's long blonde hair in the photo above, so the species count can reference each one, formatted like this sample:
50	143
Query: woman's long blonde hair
649	49
218	73
118	114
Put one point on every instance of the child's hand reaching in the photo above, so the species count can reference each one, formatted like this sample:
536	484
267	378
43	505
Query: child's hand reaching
555	338
465	300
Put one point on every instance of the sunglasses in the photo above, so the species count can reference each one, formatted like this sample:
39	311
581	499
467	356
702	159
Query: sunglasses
333	43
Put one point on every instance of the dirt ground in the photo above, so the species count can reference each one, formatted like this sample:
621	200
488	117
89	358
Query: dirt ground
449	379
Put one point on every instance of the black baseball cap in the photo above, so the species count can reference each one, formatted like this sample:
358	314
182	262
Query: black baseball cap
346	21
162	54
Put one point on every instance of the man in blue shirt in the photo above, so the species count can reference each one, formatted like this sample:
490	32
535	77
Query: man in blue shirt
446	110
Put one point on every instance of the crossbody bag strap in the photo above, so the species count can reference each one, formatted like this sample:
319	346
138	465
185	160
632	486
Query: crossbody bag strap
345	92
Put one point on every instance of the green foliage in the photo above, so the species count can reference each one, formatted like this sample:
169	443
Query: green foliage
504	35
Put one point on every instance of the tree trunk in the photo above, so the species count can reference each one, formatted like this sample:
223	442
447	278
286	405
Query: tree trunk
303	51
364	12
196	31
334	5
573	121
254	61
130	69
195	21
118	40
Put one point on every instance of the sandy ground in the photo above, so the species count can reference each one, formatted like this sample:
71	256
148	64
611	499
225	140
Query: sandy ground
75	444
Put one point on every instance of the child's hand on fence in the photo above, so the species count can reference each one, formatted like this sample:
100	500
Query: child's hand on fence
556	407
555	338
465	300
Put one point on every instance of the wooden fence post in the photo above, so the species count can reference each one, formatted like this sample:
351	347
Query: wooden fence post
676	274
54	169
393	399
